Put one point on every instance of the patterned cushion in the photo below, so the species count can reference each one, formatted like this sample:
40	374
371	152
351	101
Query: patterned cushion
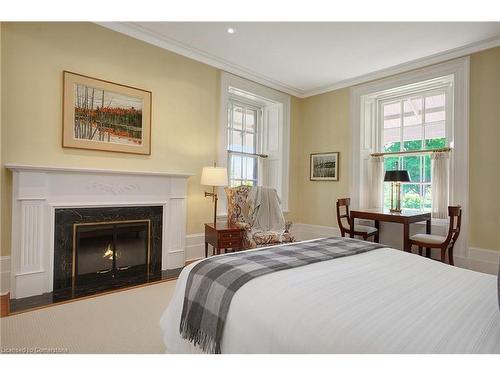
238	209
269	238
287	237
242	225
239	212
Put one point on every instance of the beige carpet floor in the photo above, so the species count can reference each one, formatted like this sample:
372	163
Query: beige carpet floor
121	322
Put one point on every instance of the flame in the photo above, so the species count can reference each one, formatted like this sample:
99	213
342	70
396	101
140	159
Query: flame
108	253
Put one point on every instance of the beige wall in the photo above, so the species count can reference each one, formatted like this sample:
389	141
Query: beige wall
484	171
321	125
184	115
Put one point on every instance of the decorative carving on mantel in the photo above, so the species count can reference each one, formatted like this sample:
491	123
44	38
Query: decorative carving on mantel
114	189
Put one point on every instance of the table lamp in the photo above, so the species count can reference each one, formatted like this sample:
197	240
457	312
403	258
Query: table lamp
214	176
395	178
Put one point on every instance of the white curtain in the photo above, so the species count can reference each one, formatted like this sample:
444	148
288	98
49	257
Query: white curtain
376	179
440	184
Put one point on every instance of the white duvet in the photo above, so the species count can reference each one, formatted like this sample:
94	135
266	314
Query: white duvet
382	301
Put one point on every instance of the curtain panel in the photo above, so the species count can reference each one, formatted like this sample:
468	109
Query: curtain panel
440	184
376	178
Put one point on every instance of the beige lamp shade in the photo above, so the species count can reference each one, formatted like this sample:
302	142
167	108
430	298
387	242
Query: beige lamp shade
214	176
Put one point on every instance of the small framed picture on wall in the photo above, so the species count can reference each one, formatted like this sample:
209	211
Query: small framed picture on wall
324	166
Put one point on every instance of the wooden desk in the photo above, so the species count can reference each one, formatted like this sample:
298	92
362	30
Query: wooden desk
406	218
223	236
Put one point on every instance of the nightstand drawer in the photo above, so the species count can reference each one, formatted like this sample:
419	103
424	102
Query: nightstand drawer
237	242
223	236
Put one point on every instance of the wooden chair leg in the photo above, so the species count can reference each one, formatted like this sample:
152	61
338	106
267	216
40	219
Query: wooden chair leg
365	237
443	255
420	250
376	238
450	256
427	252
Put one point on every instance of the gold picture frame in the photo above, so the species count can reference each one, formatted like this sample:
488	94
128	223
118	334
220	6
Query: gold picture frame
105	116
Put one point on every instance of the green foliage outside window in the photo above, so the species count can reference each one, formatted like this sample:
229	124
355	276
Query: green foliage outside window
417	193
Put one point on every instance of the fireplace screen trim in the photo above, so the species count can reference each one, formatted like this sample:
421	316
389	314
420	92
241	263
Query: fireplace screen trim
76	225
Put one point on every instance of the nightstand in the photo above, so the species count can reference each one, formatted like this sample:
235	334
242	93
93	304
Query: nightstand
223	236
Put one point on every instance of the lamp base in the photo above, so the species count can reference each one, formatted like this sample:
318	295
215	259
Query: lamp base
397	209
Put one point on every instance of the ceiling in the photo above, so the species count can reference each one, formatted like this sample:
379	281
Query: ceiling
307	58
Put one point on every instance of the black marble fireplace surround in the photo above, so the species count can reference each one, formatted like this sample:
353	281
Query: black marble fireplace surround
65	218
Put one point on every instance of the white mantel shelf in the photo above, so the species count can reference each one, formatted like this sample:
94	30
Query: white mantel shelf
41	168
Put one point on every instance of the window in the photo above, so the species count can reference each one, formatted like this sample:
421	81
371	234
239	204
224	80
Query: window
370	134
254	136
416	122
243	126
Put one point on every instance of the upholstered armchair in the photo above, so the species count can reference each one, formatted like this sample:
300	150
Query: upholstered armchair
240	213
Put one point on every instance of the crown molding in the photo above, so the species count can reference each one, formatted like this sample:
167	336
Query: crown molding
410	65
149	36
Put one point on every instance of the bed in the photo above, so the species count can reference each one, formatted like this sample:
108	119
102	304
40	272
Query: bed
381	301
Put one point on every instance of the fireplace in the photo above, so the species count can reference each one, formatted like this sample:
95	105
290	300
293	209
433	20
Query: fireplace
98	249
48	200
103	252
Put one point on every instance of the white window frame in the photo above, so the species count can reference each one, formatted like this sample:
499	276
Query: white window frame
441	85
230	82
365	140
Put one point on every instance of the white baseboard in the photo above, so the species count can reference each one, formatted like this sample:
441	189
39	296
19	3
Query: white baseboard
4	274
195	246
483	260
303	232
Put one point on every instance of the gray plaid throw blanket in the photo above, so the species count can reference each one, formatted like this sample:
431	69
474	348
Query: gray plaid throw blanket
212	283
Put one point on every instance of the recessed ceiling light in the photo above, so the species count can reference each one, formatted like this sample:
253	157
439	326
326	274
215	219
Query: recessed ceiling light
230	30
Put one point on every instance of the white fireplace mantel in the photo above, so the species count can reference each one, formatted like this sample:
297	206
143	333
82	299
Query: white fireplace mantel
46	169
39	190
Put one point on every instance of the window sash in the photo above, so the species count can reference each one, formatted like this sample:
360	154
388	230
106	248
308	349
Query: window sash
424	183
245	152
244	178
231	129
446	91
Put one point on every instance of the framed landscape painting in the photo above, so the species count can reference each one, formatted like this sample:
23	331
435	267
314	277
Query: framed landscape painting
324	166
106	116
